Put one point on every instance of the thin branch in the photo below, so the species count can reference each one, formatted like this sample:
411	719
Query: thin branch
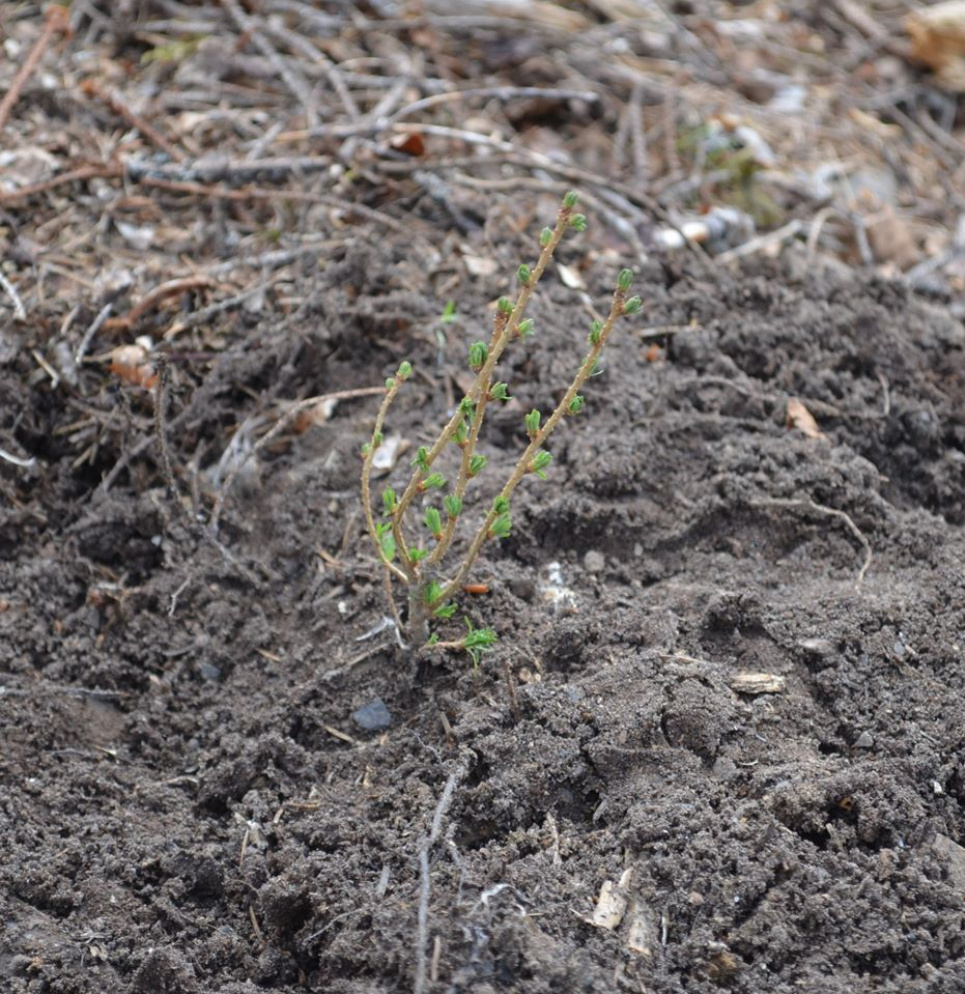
831	512
420	986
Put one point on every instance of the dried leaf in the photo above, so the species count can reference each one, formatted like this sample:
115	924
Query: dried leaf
130	363
938	40
798	416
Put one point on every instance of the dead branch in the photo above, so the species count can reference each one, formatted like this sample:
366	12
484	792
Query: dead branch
425	885
57	22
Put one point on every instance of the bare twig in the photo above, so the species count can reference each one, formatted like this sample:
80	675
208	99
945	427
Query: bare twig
280	425
57	21
150	300
498	92
831	512
120	108
18	309
425	885
293	79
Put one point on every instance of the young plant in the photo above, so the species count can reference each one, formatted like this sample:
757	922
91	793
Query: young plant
419	566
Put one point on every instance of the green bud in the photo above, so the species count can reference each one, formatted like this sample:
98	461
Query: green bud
433	638
577	404
432	591
501	527
421	458
366	450
453	505
376	440
544	236
389	383
386	541
467	408
478	354
595	369
596	329
569	201
541	460
578	222
532	422
504	305
446	611
624	280
480	638
477	464
405	371
417	555
499	391
389	501
633	306
525	328
501	505
436	480
434	522
524	273
461	435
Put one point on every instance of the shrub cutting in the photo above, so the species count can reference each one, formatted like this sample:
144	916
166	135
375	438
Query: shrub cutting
433	566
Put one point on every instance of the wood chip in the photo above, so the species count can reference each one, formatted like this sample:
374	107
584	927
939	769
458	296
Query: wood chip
612	903
798	416
757	683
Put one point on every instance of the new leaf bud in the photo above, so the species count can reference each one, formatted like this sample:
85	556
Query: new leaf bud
578	222
633	306
389	383
525	328
624	280
501	527
453	505
541	460
499	391
577	404
478	354
389	500
405	370
544	237
477	464
524	273
434	480
501	505
569	201
504	305
532	422
596	329
433	521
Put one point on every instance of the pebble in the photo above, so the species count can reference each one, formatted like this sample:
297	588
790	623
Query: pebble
594	562
373	717
864	741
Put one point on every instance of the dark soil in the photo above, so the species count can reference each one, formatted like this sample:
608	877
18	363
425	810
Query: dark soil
190	806
209	784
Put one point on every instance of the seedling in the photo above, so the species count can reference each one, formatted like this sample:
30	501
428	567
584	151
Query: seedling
420	565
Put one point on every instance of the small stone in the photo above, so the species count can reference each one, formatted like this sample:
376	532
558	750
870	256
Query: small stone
210	672
865	741
373	717
594	562
817	646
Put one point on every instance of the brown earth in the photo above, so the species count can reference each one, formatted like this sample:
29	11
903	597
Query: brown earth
194	801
